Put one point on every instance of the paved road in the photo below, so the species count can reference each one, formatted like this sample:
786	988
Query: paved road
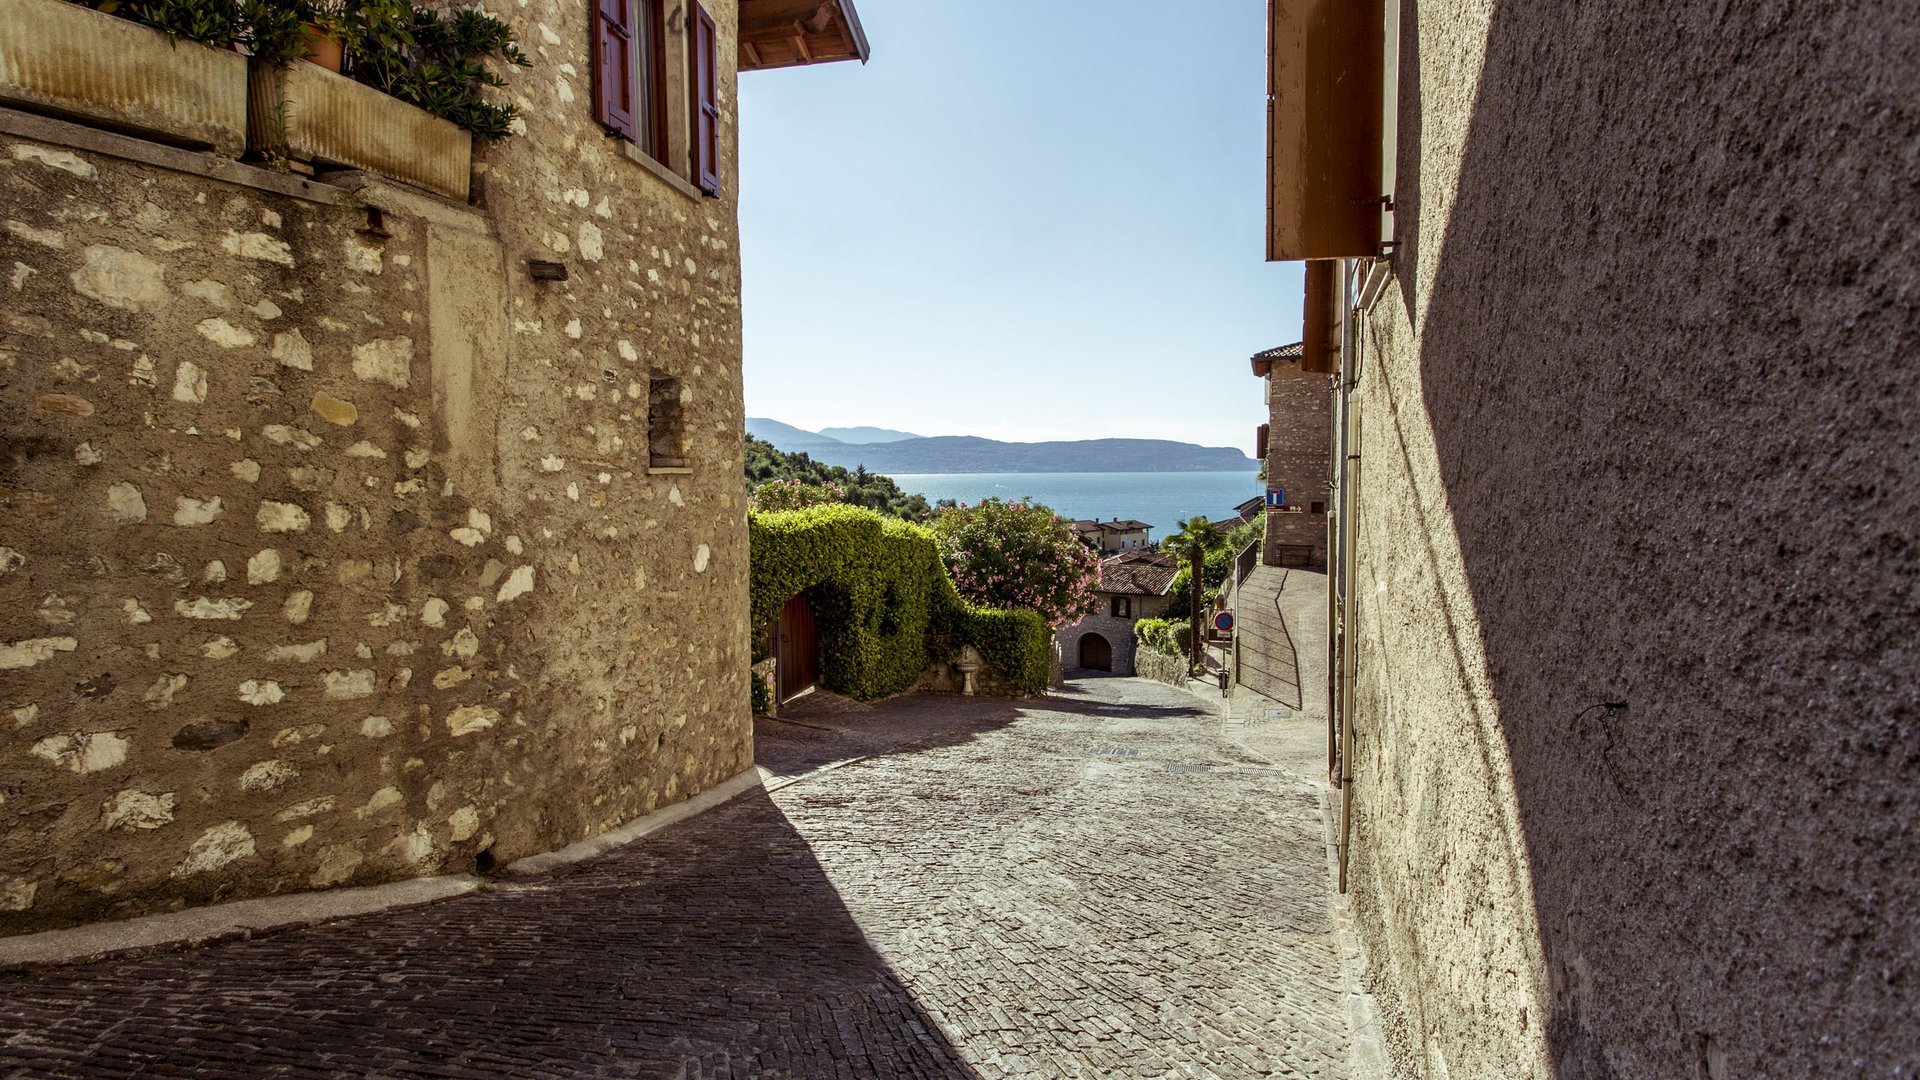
1099	886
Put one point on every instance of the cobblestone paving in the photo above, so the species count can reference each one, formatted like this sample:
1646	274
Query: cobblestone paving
1098	886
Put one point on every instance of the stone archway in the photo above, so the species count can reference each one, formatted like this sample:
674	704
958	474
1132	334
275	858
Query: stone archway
1095	652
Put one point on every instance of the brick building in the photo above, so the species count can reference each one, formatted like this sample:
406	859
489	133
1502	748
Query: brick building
1295	447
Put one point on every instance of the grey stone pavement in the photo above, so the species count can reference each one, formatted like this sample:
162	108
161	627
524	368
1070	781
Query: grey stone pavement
1098	884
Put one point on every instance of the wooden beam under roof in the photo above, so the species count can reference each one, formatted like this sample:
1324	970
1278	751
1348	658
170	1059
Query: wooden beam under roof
790	33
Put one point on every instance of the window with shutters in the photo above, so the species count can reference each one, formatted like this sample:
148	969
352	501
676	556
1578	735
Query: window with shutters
705	80
656	88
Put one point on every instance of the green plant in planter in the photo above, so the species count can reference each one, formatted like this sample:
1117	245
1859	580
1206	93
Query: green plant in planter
210	22
269	30
434	61
274	31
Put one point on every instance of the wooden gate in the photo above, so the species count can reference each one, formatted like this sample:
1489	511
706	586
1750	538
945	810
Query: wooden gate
1095	653
796	642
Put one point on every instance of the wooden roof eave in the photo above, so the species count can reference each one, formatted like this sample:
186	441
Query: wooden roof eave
796	33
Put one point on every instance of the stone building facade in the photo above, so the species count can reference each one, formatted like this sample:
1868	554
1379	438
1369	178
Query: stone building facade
1299	405
336	546
1631	614
1133	586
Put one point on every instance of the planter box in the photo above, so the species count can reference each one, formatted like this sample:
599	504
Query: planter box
308	114
72	61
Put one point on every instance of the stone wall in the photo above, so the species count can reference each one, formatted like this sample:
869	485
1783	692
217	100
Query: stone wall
1299	407
1639	532
1118	632
329	548
1158	666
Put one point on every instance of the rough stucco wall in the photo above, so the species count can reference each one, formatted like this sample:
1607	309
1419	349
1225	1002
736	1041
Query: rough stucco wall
327	558
1638	429
1299	407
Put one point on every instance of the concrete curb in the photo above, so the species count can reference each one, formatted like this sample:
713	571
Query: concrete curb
594	846
224	922
243	919
1367	1054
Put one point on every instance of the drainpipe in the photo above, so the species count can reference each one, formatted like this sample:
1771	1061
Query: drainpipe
1350	433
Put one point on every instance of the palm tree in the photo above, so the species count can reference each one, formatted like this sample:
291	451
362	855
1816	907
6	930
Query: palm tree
1196	538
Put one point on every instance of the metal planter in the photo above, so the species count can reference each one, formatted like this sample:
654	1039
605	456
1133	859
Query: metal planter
307	114
74	62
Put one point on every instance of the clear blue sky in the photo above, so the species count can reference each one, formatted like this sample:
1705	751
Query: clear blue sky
1023	219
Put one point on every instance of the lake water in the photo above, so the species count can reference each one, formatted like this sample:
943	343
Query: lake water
1158	498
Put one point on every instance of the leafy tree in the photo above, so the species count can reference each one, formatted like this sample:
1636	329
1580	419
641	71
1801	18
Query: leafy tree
1195	539
1019	555
859	487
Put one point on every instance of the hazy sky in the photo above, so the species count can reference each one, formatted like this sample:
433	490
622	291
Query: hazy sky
1024	219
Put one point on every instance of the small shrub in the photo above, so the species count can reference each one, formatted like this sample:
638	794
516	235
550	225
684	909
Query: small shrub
1163	635
777	495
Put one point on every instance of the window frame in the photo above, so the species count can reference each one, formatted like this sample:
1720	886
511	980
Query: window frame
656	89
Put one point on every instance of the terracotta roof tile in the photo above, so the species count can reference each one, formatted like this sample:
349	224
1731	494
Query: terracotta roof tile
1138	573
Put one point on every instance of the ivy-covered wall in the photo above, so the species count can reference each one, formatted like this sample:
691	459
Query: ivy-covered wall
884	603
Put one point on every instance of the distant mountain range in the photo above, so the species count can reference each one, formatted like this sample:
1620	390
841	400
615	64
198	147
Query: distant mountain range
885	451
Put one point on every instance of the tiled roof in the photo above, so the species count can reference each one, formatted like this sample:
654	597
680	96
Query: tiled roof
1138	573
1116	525
1282	352
1263	361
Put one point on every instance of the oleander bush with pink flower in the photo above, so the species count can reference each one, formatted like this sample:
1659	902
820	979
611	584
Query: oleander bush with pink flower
1019	555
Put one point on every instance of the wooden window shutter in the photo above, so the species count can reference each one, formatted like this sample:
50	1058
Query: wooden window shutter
706	103
613	66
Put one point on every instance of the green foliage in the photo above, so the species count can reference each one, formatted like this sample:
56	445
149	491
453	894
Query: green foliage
765	463
1198	540
1251	532
795	495
1019	555
432	60
1167	636
762	697
417	54
883	602
1217	567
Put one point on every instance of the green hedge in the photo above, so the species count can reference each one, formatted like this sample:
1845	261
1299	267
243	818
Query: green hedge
885	606
1166	636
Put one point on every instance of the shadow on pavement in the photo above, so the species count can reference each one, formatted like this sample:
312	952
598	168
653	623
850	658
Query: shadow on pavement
717	948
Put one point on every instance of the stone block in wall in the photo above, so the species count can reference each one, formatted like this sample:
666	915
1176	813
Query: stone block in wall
309	114
71	61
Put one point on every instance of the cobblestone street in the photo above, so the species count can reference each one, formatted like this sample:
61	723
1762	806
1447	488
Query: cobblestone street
1094	885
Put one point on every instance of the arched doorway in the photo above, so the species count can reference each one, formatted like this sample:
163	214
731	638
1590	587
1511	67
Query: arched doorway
796	644
1095	653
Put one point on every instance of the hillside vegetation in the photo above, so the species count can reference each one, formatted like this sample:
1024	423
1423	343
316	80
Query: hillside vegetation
871	490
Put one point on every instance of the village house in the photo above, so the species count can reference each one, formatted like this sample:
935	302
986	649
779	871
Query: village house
1620	328
1133	585
1293	445
1115	535
381	517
